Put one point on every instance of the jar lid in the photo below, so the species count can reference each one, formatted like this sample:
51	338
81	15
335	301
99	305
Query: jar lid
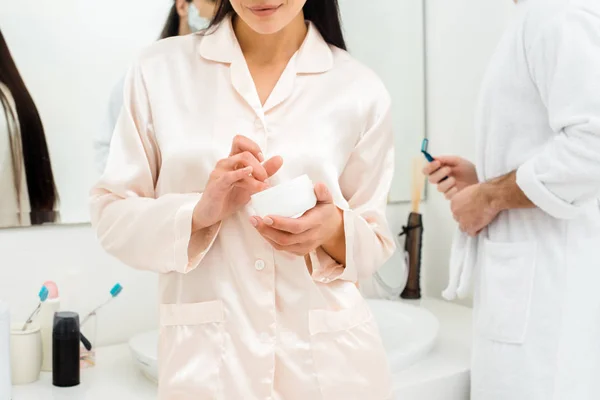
66	325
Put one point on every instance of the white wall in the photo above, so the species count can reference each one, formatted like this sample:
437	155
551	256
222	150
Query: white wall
400	70
461	37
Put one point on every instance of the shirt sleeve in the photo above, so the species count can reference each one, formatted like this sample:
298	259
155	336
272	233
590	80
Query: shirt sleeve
142	230
564	63
365	184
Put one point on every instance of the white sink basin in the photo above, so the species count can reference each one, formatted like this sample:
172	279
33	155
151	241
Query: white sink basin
408	334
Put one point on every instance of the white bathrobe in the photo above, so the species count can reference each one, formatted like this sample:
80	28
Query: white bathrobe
537	297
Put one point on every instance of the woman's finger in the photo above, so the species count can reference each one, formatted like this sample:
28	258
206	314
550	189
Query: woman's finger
295	249
446	185
290	225
242	143
273	244
272	165
251	185
282	238
227	179
245	159
438	175
299	245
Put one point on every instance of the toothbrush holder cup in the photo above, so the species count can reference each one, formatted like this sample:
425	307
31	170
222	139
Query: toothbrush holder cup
25	353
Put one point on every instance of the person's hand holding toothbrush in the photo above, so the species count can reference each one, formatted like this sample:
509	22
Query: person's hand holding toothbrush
471	203
460	173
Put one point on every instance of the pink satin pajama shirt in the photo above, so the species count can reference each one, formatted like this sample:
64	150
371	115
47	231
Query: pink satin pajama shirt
240	320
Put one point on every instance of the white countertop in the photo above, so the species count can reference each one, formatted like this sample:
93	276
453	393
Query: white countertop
442	375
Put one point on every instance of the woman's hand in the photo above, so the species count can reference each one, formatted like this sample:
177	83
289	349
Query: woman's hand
460	172
323	225
233	181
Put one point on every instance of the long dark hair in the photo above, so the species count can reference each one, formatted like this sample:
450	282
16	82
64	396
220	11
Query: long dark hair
324	14
40	181
171	27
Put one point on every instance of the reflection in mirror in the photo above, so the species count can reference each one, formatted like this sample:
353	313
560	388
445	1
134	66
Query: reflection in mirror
28	192
60	62
61	74
389	38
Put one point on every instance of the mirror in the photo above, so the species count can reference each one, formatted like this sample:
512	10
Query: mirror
389	38
70	55
68	59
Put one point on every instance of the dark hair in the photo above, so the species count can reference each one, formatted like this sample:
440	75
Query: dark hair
171	27
324	14
36	159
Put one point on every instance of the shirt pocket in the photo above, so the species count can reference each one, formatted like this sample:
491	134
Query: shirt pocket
191	350
348	355
508	271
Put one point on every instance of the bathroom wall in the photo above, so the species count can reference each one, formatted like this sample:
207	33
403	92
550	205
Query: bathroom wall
460	38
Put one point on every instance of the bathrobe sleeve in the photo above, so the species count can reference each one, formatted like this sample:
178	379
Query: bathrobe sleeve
365	184
564	62
131	223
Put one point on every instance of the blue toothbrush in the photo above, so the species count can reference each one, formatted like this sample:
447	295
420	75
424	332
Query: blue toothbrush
429	157
114	292
424	145
43	295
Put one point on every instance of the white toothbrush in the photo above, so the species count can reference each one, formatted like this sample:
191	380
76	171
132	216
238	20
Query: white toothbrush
114	292
43	295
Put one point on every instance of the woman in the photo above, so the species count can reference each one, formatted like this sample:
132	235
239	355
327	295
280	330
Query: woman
185	17
27	191
255	308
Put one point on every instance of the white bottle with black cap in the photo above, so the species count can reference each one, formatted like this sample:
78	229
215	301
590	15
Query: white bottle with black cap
5	379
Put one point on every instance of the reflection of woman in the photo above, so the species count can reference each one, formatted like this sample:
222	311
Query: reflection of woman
27	191
185	17
255	308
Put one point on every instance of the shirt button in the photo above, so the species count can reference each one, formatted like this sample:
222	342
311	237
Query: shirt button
258	123
259	265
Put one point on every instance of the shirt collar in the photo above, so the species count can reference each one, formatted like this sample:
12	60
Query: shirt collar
221	45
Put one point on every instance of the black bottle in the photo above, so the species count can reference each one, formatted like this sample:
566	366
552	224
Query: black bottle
65	349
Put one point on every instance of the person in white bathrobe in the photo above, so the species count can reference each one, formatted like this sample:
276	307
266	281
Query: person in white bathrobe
531	202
